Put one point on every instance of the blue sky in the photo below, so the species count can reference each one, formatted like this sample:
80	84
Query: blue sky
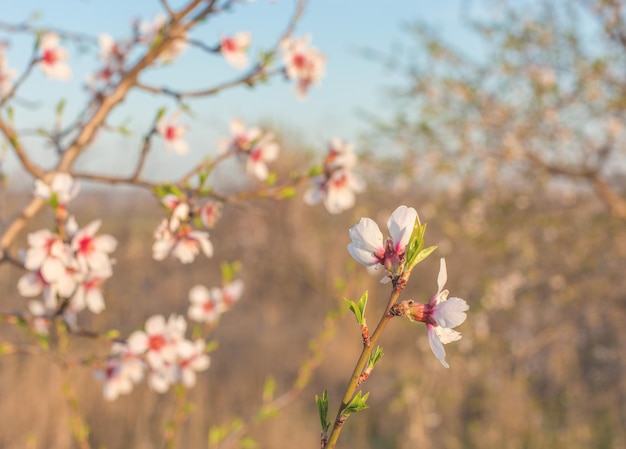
340	28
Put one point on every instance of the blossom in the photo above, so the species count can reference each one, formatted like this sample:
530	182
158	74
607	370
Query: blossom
303	63
185	243
191	358
157	342
242	137
53	58
173	133
265	150
89	294
210	212
234	49
6	74
441	315
208	304
91	251
337	192
369	248
122	370
61	189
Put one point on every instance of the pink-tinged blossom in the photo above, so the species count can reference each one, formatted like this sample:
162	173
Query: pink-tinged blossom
242	137
337	192
173	133
264	151
123	369
180	211
6	74
92	251
184	244
303	63
40	318
88	294
369	248
191	358
210	212
157	342
61	189
234	49
53	58
208	304
441	315
149	31
337	186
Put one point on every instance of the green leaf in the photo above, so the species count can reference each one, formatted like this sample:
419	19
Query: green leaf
60	107
423	254
229	271
375	357
287	192
269	388
357	404
322	409
358	308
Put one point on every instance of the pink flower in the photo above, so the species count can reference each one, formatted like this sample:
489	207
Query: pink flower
53	58
191	358
441	315
6	74
369	248
91	251
173	133
303	63
336	192
234	49
207	305
265	150
123	369
61	189
242	137
210	212
184	243
89	294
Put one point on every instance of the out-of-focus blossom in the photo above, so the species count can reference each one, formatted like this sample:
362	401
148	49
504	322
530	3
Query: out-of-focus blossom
157	342
6	74
151	32
303	63
41	320
242	137
337	185
92	251
62	189
191	358
88	294
184	244
123	369
441	315
208	304
210	212
337	192
264	151
173	133
53	58
235	48
253	147
369	248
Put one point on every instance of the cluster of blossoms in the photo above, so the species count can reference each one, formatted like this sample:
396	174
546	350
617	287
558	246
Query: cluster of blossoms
252	147
53	59
337	185
441	314
6	74
208	304
67	267
160	352
150	32
175	235
303	64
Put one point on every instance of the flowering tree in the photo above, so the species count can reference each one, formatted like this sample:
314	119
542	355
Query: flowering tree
66	267
541	101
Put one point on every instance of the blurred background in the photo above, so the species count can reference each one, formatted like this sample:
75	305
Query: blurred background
514	156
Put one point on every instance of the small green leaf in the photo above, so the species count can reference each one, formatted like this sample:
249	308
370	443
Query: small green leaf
229	271
375	357
269	388
286	193
60	107
160	113
315	171
322	408
358	308
357	404
271	179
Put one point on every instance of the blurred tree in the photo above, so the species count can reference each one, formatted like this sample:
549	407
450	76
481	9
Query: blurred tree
541	98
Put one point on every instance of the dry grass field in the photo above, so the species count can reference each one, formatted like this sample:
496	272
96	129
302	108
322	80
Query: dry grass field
542	362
